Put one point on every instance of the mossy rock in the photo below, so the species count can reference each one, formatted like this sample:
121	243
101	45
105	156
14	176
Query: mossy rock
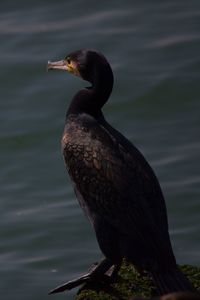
130	283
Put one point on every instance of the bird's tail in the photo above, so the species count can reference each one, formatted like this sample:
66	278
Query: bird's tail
171	281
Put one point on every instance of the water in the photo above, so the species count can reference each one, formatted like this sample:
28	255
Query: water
153	47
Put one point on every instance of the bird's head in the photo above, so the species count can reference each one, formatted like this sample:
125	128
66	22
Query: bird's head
82	63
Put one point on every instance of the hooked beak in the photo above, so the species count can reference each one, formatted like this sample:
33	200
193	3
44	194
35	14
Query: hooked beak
60	65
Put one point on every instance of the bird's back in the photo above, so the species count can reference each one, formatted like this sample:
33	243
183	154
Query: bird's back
116	186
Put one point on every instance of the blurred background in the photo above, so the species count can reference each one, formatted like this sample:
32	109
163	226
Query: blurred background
153	47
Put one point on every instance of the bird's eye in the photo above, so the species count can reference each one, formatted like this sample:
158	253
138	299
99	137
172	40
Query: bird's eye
68	60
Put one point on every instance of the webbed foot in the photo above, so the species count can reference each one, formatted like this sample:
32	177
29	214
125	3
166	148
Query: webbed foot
104	271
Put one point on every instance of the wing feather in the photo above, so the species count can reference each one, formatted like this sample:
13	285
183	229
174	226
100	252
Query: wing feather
116	183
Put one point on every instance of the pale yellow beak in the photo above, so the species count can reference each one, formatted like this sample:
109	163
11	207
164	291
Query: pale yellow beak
64	65
60	65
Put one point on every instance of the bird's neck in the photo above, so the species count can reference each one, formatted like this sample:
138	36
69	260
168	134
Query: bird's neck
91	100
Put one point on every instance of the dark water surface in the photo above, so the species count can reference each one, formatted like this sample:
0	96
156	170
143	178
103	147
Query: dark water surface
154	49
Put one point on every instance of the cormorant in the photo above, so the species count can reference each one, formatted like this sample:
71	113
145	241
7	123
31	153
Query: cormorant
114	184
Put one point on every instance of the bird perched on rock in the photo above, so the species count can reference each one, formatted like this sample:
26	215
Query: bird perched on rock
114	184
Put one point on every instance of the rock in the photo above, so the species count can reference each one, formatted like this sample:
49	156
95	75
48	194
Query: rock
129	284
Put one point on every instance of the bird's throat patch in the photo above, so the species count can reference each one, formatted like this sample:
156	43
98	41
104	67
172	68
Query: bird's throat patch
73	68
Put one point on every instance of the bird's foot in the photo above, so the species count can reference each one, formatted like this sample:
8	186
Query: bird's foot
105	272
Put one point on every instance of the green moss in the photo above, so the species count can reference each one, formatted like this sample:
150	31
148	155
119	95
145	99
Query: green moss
128	283
193	274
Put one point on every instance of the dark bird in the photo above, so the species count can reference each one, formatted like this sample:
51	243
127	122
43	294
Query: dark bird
114	184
